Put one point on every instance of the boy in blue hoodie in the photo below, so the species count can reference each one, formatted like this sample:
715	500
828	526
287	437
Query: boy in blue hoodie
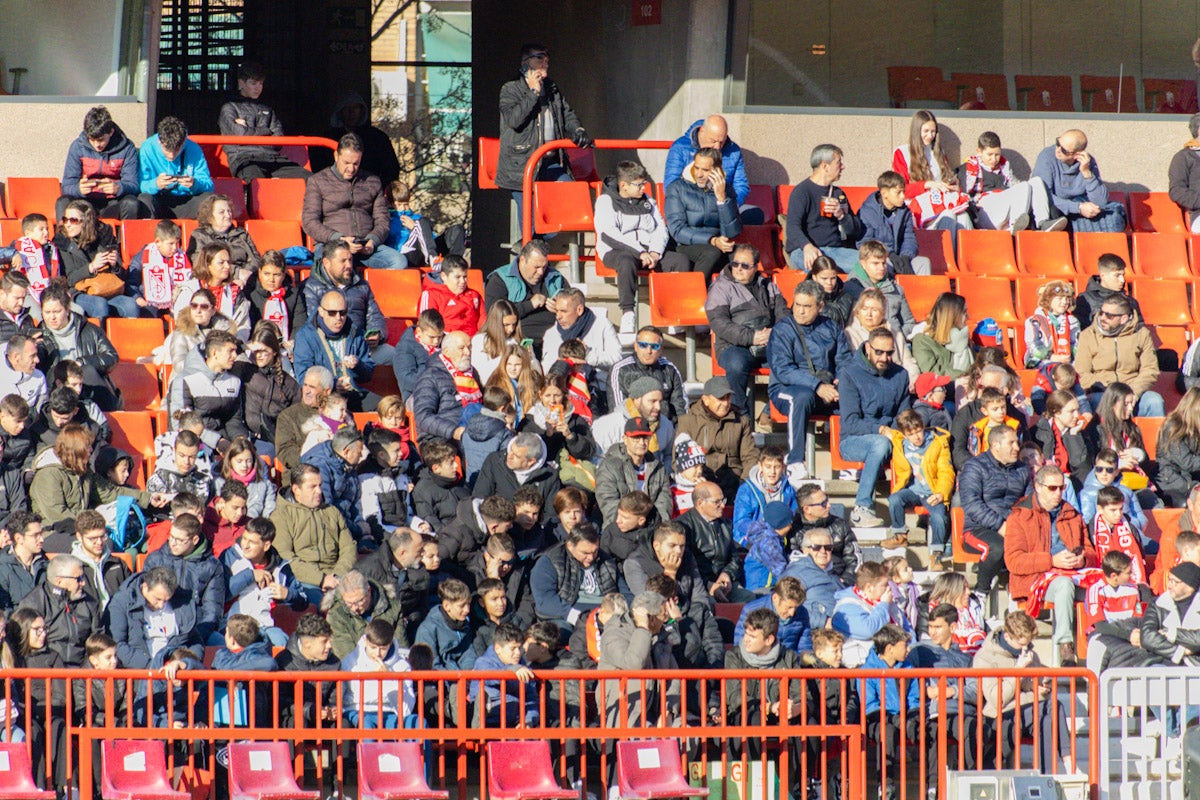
245	651
890	704
864	609
767	483
887	219
506	653
173	173
447	629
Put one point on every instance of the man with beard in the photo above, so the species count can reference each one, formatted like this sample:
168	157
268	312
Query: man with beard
331	340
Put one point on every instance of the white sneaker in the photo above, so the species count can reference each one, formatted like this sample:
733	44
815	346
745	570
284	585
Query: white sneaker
1019	223
674	330
614	793
1050	225
848	475
862	517
628	322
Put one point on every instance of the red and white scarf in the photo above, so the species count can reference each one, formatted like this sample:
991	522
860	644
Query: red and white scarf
1121	537
465	383
930	205
160	276
227	297
275	309
33	258
1083	578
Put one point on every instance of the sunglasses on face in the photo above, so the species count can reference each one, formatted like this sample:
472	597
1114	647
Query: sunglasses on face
825	548
650	345
335	312
72	220
741	265
1053	487
820	504
878	352
201	306
1105	470
1063	150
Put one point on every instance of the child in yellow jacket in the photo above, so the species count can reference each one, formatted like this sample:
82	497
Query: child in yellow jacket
921	476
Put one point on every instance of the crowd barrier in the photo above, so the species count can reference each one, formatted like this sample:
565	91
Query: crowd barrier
714	716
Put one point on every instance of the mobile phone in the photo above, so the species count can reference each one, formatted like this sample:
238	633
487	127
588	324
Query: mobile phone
527	343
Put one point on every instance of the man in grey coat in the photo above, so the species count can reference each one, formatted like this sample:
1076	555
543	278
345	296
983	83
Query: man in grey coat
627	466
632	641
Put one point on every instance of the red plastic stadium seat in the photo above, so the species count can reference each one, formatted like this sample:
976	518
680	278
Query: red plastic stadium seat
263	771
763	196
1155	212
133	432
1170	337
990	89
856	195
651	770
522	771
138	384
765	239
274	234
296	153
922	292
1027	293
1044	92
983	252
562	206
1155	95
1090	246
16	774
33	196
783	193
787	280
1046	253
1108	94
1161	255
911	84
677	298
393	771
1149	426
136	770
988	297
135	337
1163	302
936	246
277	198
10	229
218	164
836	461
398	291
235	190
135	235
489	157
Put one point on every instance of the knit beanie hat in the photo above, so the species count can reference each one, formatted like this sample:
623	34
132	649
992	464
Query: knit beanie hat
778	515
688	454
1188	573
644	385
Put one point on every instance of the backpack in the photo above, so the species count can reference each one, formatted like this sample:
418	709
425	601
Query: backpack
126	523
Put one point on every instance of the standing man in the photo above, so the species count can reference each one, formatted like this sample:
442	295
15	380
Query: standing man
1073	180
532	112
174	173
246	115
819	219
714	132
102	169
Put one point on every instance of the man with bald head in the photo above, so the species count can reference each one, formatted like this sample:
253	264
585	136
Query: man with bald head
713	132
1073	180
331	340
447	388
710	539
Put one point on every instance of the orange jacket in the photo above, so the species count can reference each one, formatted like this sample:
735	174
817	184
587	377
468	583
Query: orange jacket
1027	543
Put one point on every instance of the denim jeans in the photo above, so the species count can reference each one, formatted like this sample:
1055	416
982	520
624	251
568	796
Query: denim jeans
370	719
738	363
1150	404
314	593
1061	592
938	518
845	257
874	451
99	308
1110	220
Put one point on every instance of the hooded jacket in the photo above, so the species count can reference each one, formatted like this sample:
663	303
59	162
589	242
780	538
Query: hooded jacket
435	498
57	494
1087	304
125	620
728	441
791	348
103	577
369	696
314	541
312	351
203	577
118	161
1128	357
616	477
683	152
693	214
899	314
69	622
45	433
189	162
349	627
935	464
1027	542
339	484
627	224
17	581
496	477
379	154
335	207
360	300
217	398
486	433
859	621
450	640
466	535
877	696
93	348
167	479
736	310
869	398
625	647
292	660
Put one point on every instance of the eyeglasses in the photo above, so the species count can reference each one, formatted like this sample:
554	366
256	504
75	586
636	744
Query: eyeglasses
201	306
37	628
72	220
334	312
650	345
1105	470
1052	487
821	504
1061	290
878	352
1110	315
825	548
741	265
717	501
76	578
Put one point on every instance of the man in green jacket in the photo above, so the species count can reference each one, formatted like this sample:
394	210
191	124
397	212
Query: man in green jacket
312	535
355	602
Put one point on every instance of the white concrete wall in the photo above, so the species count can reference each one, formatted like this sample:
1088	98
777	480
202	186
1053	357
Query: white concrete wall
68	46
35	134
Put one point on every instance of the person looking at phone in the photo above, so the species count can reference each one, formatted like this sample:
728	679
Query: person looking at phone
1073	179
174	174
1048	537
344	202
702	214
532	286
102	170
91	262
819	219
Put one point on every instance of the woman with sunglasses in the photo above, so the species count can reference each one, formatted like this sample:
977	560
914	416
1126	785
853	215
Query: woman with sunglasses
1052	332
87	249
192	324
213	270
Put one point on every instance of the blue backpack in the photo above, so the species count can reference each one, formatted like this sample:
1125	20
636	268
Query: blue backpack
126	523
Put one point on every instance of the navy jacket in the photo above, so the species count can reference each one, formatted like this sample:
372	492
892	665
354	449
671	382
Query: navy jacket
450	642
125	620
339	483
693	215
16	582
988	490
868	398
310	352
409	362
820	587
827	347
894	229
795	634
360	300
435	404
204	578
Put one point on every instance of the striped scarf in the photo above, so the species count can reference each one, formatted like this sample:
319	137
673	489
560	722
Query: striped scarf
578	391
465	383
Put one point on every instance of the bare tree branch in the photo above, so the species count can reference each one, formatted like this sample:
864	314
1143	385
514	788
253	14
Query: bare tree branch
404	5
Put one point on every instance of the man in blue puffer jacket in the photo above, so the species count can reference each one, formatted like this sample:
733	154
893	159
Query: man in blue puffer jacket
814	570
701	216
337	460
873	390
804	353
989	485
714	132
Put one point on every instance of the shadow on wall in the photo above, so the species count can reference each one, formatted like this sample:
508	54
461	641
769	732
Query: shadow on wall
761	169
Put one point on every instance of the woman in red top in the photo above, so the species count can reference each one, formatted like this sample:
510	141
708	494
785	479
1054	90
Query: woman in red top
930	183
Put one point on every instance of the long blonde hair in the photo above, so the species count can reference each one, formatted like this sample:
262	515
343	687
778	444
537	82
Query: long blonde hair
1182	425
944	317
918	167
529	383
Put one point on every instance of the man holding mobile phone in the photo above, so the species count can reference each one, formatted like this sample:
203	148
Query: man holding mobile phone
335	272
102	168
1072	178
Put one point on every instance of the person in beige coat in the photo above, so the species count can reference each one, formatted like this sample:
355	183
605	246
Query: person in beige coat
1117	348
1028	702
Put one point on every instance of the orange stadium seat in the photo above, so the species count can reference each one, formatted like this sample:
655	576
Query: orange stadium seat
988	297
1090	246
583	164
562	206
1026	288
135	235
836	461
398	291
475	280
133	432
787	280
961	555
33	196
138	384
296	153
765	239
992	86
1149	426
1044	93
134	338
277	198
1163	302
1171	337
1108	94
274	234
489	157
1155	212
1161	255
218	164
677	298
922	291
783	193
1155	93
983	252
936	246
857	195
763	196
1045	253
235	190
10	229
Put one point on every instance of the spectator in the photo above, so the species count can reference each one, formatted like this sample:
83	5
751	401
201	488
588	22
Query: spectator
158	268
861	612
330	340
189	556
1183	176
16	447
1108	282
970	412
571	578
523	463
1178	454
1000	200
629	465
23	568
967	631
477	519
517	377
533	111
532	287
215	392
713	132
103	572
893	709
150	617
819	219
499	561
506	703
631	236
1106	472
870	312
389	565
439	487
338	460
216	226
91	263
701	217
742	308
667	553
487	432
354	603
447	388
447	629
1072	178
416	349
813	567
276	299
838	302
766	483
19	374
1118	347
786	602
887	219
34	256
634	641
873	390
258	579
921	476
384	486
69	375
173	172
225	517
647	361
353	115
553	419
646	402
310	649
192	325
930	182
64	408
289	436
830	701
635	523
213	270
245	115
268	388
576	321
181	473
312	535
944	347
446	292
710	541
1051	333
102	170
804	353
375	703
1169	616
723	431
501	328
71	615
815	513
1063	438
766	539
871	272
25	648
69	336
989	485
15	316
334	272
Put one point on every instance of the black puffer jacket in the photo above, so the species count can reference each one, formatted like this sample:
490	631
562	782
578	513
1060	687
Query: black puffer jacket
95	349
260	120
292	660
497	478
435	499
459	541
712	545
264	397
16	581
68	622
75	259
293	300
16	453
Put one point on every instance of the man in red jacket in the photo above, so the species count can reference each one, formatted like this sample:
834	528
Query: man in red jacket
1046	544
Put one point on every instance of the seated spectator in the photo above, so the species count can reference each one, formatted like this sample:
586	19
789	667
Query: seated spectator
870	312
19	374
1063	439
838	303
819	218
863	610
571	578
274	297
742	307
42	702
921	476
1106	472
519	377
16	447
216	227
213	270
63	408
629	465
634	524
258	579
1178	456
333	415
1072	178
1115	635
804	353
829	701
1051	333
567	435
412	234
448	387
268	388
687	472
158	269
967	631
338	461
103	572
439	487
701	216
15	305
532	286
68	374
334	272
710	541
887	219
713	132
390	565
646	401
189	556
244	650
312	535
215	392
989	485
893	708
23	567
459	305
101	170
587	390
1060	377
1112	533
506	703
574	320
499	561
786	602
310	649
501	328
1002	202
1183	176
667	553
371	703
289	437
583	652
766	540
723	430
355	602
635	641
944	347
245	115
871	272
477	519
343	202
331	340
181	473
1108	282
151	616
384	486
182	346
964	435
416	349
1130	358
930	183
91	263
815	513
447	628
631	236
225	517
35	255
648	362
522	463
172	172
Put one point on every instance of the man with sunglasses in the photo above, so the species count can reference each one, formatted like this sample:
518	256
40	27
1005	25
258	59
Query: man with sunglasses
1046	544
648	361
1073	180
70	612
331	340
1118	347
815	570
816	514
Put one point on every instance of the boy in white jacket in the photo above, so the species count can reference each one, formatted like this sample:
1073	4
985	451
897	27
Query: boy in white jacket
377	703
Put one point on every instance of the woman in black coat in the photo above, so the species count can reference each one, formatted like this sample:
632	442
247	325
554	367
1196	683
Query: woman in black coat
552	420
70	336
267	389
87	248
25	647
1061	441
